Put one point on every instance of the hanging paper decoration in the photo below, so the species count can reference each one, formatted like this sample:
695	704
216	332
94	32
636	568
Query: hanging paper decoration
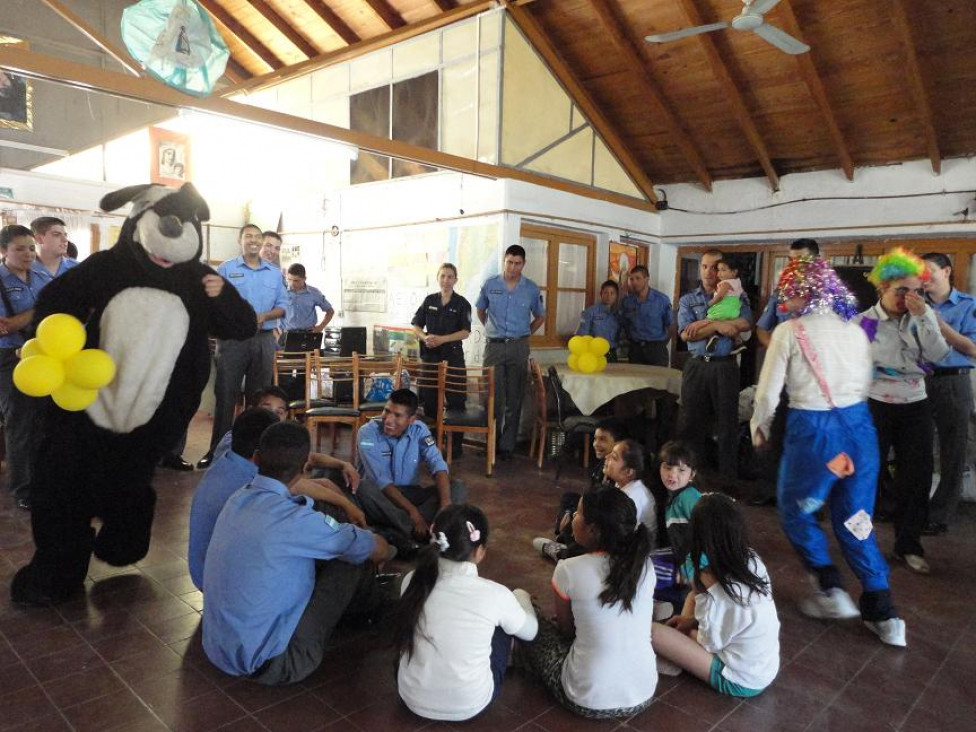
176	42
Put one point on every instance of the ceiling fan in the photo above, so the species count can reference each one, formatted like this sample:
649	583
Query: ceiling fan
750	19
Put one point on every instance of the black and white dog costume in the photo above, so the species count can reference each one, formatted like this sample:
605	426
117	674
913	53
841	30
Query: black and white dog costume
144	301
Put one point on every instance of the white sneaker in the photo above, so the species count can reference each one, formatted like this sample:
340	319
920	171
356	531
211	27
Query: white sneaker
832	604
662	611
890	631
914	562
667	668
548	548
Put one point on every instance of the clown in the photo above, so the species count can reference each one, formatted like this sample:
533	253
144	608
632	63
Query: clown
830	453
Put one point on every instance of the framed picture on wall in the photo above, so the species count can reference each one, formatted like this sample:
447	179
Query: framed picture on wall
169	157
623	258
16	94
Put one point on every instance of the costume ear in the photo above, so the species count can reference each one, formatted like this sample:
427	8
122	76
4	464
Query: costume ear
117	199
202	210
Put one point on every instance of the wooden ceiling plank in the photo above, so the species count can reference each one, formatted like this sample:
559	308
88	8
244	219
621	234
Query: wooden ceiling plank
732	93
285	28
243	34
94	36
917	85
332	19
235	72
625	45
387	13
445	5
540	42
811	77
79	76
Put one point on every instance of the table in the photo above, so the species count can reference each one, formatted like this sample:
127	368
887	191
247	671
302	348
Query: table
590	391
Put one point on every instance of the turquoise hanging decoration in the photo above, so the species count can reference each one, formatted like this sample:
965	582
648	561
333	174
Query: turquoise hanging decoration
176	42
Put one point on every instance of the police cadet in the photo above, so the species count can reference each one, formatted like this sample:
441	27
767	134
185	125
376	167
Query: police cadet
302	301
19	287
510	307
647	319
442	321
251	360
51	238
600	319
390	450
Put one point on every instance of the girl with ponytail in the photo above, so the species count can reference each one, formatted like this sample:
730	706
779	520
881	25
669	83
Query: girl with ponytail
597	658
452	629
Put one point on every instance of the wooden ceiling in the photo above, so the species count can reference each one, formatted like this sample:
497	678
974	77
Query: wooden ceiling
885	81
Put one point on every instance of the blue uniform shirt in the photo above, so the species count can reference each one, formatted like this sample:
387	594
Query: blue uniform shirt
510	311
220	482
63	267
600	321
22	296
772	315
385	460
648	320
260	571
959	312
263	287
300	313
692	307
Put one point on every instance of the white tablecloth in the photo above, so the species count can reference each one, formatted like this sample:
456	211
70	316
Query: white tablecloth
590	391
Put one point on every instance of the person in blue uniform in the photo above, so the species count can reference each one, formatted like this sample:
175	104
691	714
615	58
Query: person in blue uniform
51	238
303	299
441	322
510	307
20	284
600	320
647	319
391	448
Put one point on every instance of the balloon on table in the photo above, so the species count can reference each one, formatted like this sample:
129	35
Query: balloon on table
588	354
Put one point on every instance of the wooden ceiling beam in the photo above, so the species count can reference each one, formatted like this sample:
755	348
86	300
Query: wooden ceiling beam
94	36
627	48
445	5
387	13
332	19
285	28
811	77
234	69
917	85
732	93
540	42
243	34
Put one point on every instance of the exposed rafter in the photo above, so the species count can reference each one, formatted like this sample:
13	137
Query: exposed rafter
916	83
237	73
540	41
811	77
94	36
732	94
285	28
387	13
243	34
633	60
446	5
331	19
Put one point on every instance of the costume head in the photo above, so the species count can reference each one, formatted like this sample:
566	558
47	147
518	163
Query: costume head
895	265
816	282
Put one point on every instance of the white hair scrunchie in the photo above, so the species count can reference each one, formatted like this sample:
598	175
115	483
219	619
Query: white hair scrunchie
441	540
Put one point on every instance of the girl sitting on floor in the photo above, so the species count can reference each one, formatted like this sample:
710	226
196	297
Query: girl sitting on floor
625	467
453	630
728	632
593	659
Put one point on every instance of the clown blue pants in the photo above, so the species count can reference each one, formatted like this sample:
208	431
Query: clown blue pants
805	484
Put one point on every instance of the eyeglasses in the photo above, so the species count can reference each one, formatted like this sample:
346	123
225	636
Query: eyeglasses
902	291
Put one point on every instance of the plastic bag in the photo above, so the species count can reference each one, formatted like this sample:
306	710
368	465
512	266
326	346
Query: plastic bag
378	387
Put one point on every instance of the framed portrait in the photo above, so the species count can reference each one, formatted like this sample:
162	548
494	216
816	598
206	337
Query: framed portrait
16	94
169	157
623	258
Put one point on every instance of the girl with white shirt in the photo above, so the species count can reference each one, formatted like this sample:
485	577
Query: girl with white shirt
728	632
830	452
597	658
624	466
453	630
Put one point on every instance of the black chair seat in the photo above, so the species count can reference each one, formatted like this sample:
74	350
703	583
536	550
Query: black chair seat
580	423
332	412
472	417
300	403
372	406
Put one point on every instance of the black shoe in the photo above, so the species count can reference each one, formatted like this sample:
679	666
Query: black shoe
504	456
205	461
407	549
24	504
934	528
175	462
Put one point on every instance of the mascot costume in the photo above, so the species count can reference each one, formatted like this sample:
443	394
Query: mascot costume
151	304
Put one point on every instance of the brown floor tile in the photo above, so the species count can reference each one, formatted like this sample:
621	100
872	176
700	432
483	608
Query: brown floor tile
865	701
207	712
255	697
132	643
15	677
662	716
157	661
389	713
61	663
747	718
122	709
21	707
558	719
174	629
47	723
303	713
244	724
84	686
44	642
175	687
710	707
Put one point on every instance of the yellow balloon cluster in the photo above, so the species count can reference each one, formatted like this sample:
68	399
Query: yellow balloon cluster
54	364
588	354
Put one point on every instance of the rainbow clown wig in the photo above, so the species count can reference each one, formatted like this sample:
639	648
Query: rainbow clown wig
896	264
814	280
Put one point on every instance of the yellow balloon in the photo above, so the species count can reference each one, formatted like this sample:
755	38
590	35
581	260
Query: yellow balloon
93	368
601	363
72	398
577	345
588	363
38	376
573	361
600	347
61	335
31	348
587	343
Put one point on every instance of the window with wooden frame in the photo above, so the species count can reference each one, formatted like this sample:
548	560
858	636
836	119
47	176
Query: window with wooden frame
562	263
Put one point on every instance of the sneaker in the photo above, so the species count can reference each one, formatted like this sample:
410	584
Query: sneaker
914	562
891	631
832	604
666	667
662	611
548	548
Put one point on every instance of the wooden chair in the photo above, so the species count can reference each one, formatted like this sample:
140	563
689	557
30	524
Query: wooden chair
297	367
569	420
420	376
477	383
337	383
544	423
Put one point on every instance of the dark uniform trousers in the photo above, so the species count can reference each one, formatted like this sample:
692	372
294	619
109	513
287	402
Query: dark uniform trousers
952	400
511	361
20	424
651	353
710	404
250	361
453	353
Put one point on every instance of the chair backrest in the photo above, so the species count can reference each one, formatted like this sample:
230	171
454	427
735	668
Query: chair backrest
373	367
336	380
538	382
476	382
291	370
558	395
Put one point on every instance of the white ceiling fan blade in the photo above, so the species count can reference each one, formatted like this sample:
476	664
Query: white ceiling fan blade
781	39
675	35
761	7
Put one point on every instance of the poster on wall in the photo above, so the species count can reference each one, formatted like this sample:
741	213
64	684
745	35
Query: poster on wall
16	94
364	294
623	258
169	157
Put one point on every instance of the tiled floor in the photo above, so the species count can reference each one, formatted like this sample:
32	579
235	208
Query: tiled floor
128	657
